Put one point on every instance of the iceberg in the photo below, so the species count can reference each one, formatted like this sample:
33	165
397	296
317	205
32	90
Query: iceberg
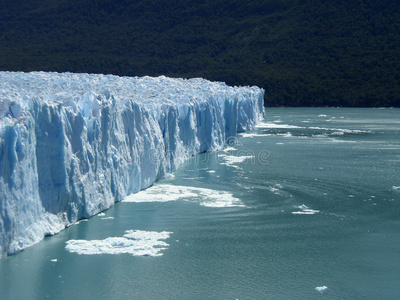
72	145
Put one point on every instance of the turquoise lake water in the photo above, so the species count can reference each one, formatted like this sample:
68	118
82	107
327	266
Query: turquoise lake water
303	207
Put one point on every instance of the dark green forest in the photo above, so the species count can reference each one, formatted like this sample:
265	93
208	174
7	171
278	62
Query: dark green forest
302	52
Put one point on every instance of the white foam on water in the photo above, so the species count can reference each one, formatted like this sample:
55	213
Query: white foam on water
251	135
321	289
305	210
337	133
203	196
324	132
134	242
341	141
274	125
340	131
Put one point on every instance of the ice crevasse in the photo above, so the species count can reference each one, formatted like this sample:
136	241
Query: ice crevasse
71	145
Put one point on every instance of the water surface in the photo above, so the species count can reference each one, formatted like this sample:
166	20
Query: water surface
303	207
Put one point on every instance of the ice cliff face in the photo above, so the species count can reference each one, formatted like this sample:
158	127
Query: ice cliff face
71	145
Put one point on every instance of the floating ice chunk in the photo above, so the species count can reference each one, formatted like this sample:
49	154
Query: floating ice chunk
220	199
134	242
203	196
274	190
227	149
232	160
303	207
163	193
305	210
321	289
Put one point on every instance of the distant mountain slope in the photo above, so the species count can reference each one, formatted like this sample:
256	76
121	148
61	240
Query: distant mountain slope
303	52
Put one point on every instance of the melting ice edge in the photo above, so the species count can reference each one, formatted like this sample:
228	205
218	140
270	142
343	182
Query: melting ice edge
71	145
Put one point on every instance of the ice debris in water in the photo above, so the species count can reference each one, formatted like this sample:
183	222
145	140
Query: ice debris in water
71	145
203	196
233	160
305	210
134	242
321	289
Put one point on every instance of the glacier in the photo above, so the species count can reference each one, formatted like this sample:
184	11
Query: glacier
72	145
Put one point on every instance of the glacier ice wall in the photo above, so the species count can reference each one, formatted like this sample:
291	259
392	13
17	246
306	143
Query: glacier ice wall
71	145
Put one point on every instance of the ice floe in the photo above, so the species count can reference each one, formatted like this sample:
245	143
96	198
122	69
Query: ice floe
134	242
233	160
321	289
203	196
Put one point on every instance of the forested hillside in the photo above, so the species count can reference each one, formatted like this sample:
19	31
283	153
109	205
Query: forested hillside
302	52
